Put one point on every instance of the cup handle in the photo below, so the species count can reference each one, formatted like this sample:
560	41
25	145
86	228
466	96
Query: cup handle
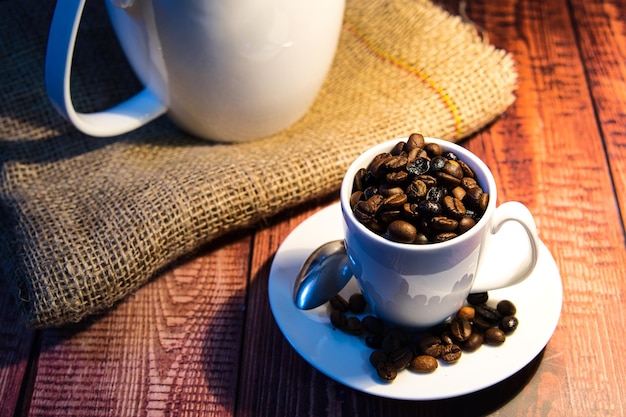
124	117
488	279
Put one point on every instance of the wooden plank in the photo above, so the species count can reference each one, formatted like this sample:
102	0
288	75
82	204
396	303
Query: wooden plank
16	345
275	380
601	31
548	152
170	349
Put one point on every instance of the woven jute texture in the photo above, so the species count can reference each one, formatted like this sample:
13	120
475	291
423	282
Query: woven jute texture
86	221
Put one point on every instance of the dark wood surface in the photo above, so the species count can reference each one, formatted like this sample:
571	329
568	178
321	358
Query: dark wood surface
200	339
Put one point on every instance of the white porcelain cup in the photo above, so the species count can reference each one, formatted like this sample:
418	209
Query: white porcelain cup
231	70
420	286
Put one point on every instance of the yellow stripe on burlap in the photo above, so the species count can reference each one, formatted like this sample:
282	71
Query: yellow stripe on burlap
403	65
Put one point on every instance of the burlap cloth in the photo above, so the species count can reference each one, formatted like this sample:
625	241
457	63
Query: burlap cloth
86	221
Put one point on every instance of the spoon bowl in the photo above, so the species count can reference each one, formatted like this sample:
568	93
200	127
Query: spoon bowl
324	273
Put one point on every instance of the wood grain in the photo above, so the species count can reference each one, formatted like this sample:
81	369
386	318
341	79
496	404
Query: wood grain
550	153
171	349
200	338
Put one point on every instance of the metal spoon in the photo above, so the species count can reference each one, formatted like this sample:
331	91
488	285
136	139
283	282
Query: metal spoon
324	273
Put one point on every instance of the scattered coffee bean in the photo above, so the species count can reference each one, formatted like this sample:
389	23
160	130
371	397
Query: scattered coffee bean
461	329
339	303
424	364
387	372
494	336
451	353
475	341
478	298
467	312
338	319
357	303
395	349
508	324
431	345
354	326
378	357
401	358
373	325
506	308
488	313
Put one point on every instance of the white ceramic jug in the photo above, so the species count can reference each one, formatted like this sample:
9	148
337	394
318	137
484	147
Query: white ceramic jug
225	70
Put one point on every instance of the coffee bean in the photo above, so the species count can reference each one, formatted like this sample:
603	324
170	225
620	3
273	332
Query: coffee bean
397	177
386	372
357	303
416	190
392	342
339	303
396	163
452	168
478	298
401	231
480	323
419	167
376	166
374	341
398	149
401	358
465	224
467	312
451	156
506	308
508	324
490	314
429	208
443	224
355	198
424	364
475	341
431	345
415	141
448	180
446	338
460	328
436	194
453	207
378	357
494	336
445	236
394	201
433	149
359	183
373	325
338	319
459	193
353	326
388	216
451	353
438	163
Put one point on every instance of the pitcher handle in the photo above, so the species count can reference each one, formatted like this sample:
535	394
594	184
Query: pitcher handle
121	118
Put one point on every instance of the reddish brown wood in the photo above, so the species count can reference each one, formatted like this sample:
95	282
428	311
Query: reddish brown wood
16	343
200	338
172	348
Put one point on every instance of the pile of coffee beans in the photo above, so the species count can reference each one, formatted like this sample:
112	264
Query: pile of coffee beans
418	193
395	349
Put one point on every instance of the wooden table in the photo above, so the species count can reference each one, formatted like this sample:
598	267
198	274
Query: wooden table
200	339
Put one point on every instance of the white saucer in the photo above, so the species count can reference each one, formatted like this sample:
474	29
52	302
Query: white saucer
345	358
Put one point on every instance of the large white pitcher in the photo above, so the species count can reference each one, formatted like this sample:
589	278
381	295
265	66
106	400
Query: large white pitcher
226	70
